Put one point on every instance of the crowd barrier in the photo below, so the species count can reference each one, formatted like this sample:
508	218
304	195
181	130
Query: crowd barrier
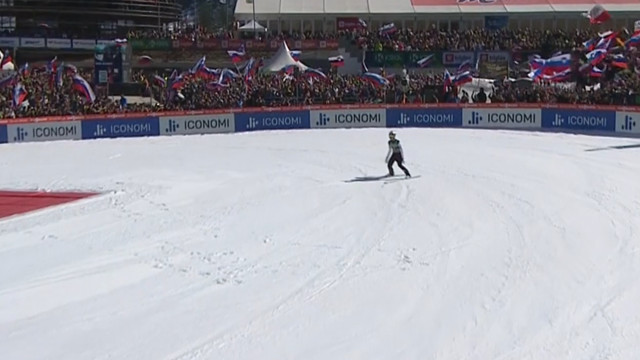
611	120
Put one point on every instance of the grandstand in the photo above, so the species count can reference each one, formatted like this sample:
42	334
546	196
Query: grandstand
325	15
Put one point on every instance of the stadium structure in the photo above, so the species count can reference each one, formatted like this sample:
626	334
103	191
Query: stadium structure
89	18
329	15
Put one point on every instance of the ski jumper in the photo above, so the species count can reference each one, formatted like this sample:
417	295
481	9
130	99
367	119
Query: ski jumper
396	155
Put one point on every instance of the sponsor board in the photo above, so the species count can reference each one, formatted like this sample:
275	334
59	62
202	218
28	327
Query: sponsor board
628	122
424	117
46	131
32	42
112	128
349	118
579	119
197	124
59	43
84	44
9	42
3	134
494	56
457	58
502	118
272	121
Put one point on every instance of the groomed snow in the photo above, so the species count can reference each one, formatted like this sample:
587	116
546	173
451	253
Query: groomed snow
510	245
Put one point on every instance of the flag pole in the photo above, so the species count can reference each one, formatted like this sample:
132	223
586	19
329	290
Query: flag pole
253	2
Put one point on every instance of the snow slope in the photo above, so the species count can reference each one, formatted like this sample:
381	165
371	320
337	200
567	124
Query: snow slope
511	245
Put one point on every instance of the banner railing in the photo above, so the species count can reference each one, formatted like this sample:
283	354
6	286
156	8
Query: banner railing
614	120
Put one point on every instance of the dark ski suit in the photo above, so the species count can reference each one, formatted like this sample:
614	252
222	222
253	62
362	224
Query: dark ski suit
396	155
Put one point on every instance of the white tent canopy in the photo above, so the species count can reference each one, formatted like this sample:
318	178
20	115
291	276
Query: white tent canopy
281	59
250	26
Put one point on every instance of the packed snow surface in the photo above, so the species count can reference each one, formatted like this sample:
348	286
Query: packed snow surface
510	245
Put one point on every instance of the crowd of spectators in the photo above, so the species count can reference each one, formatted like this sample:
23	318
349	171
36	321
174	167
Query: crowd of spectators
614	86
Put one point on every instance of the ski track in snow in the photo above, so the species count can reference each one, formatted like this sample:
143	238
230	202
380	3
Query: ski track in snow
509	246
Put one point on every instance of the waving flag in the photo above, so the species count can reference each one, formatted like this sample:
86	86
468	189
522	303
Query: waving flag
336	61
596	56
159	81
52	65
236	56
24	69
19	95
314	73
595	72
447	78
462	78
375	79
295	54
387	29
425	61
6	59
199	65
7	81
597	15
83	86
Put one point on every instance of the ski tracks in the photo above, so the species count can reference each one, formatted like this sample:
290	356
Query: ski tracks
382	227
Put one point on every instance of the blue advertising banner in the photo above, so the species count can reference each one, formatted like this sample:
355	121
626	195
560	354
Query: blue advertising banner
595	120
4	138
111	128
424	117
272	120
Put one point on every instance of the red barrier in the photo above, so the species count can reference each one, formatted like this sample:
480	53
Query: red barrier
320	107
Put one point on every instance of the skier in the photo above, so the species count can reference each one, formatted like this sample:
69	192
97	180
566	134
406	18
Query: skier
395	154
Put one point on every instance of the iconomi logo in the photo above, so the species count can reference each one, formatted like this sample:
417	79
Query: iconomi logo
21	134
557	121
252	123
476	118
404	119
173	126
100	130
629	123
323	120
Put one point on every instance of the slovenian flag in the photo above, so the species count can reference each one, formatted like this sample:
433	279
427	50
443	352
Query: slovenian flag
596	56
619	61
315	74
336	61
462	78
295	54
199	65
83	86
595	72
447	81
19	95
387	29
375	79
425	61
236	56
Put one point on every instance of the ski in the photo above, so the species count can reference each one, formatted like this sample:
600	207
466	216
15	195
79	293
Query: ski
396	179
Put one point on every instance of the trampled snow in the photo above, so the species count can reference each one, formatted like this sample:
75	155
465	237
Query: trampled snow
510	245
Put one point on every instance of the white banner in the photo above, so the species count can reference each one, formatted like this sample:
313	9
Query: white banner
348	118
502	118
9	42
32	43
627	122
84	44
59	43
197	124
46	131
